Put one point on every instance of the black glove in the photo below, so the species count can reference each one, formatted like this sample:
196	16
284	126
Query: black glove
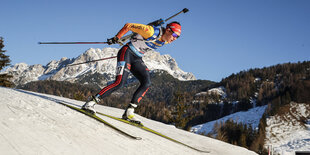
113	40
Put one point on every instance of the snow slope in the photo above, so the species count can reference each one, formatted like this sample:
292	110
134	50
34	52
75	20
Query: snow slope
288	133
250	117
33	123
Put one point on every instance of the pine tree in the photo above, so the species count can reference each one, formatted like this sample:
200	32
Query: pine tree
4	61
180	118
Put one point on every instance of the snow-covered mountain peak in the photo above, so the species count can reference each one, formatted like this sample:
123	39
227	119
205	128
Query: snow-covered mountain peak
92	54
60	71
18	67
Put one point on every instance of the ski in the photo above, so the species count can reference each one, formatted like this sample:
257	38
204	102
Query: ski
141	126
94	116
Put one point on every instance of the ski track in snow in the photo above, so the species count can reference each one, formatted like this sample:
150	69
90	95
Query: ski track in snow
33	123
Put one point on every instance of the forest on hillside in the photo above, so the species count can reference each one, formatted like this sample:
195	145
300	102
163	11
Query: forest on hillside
157	103
275	86
279	84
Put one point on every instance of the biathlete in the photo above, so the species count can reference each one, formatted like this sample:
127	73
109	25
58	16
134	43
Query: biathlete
129	59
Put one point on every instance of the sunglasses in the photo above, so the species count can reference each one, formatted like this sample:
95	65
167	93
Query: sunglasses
174	34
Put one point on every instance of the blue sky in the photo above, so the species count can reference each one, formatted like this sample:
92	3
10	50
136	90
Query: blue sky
219	37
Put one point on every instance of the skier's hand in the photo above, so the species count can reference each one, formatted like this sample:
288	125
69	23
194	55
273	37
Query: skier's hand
113	40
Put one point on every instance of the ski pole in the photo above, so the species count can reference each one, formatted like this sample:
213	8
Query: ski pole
121	40
72	42
92	61
183	11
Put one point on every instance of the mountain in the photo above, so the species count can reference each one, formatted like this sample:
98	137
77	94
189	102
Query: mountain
271	103
34	123
104	70
275	85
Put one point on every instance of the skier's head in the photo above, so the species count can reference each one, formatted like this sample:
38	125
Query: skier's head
172	32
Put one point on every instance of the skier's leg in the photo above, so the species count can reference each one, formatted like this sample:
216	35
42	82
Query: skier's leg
141	72
121	77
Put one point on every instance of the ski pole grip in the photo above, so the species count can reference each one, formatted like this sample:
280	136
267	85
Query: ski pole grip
184	11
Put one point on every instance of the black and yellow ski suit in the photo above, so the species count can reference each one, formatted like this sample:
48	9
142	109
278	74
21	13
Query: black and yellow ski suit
129	59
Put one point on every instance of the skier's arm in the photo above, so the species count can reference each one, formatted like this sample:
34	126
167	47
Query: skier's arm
145	31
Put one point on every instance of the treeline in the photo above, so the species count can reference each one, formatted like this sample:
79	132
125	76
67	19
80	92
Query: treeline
4	62
240	134
158	104
285	83
278	85
275	86
270	82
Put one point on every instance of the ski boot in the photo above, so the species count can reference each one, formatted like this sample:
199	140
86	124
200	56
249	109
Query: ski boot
129	114
90	104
